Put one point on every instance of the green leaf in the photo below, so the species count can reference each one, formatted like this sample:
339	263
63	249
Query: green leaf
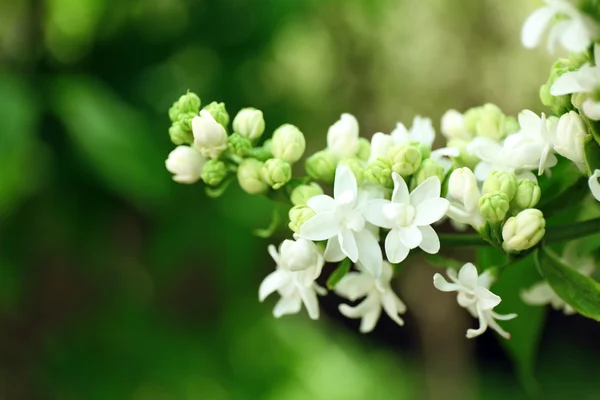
337	275
592	155
579	291
564	176
526	329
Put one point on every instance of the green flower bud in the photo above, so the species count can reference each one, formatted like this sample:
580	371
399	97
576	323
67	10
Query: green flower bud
493	206
186	120
423	149
249	176
249	123
288	143
276	173
428	169
240	146
577	99
527	195
356	166
179	135
174	112
465	159
214	172
559	104
523	231
491	122
302	193
405	159
379	172
219	113
364	149
511	125
189	103
321	166
471	118
500	181
298	215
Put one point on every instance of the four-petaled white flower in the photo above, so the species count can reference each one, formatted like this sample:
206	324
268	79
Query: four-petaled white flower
475	296
342	137
585	80
409	216
575	31
210	138
185	164
377	293
340	220
298	265
594	184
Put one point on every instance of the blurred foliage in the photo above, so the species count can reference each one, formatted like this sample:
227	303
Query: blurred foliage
116	283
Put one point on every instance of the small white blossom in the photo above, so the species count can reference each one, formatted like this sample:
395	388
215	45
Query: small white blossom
475	296
421	131
585	80
409	216
298	265
342	137
464	195
340	220
594	184
378	295
380	145
575	31
186	164
453	126
210	138
570	138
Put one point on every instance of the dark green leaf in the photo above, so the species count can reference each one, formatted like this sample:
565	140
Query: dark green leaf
564	176
337	275
579	291
592	155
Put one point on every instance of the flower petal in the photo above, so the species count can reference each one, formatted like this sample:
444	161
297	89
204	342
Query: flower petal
400	194
333	251
369	252
309	298
321	203
471	333
373	212
354	285
271	283
369	320
348	244
430	211
429	189
390	303
287	305
320	227
431	242
443	285
273	252
467	276
535	25
567	83
410	236
486	300
594	184
345	181
576	37
395	250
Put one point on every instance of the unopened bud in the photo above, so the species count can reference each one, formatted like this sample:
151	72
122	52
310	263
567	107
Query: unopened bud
429	168
321	166
405	159
179	134
288	143
523	231
210	138
527	195
298	215
249	176
342	137
494	206
276	173
238	145
501	182
364	149
214	172
219	113
249	123
302	193
491	122
462	186
356	166
379	172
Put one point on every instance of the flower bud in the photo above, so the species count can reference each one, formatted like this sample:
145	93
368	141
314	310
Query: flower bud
219	113
186	164
288	143
424	149
174	112
527	195
502	182
321	166
511	125
189	103
558	104
523	231
462	186
428	169
571	134
298	255
238	145
379	172
342	137
494	206
276	173
491	122
179	134
214	172
465	158
356	166
380	145
250	123
210	138
405	159
298	215
453	126
364	149
249	176
302	193
471	119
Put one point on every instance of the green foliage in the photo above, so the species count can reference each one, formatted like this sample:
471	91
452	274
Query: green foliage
336	276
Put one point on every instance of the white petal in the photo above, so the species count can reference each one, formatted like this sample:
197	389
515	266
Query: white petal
467	276
430	211
410	236
431	242
348	244
287	305
309	298
373	212
321	203
443	285
486	299
567	83
395	250
274	255
271	283
576	37
539	294
369	252
591	109
429	189
471	333
556	33
390	303
354	285
535	25
594	184
400	194
369	320
345	181
333	251
482	170
503	317
320	227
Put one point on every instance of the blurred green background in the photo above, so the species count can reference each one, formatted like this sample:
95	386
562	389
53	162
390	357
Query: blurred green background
117	283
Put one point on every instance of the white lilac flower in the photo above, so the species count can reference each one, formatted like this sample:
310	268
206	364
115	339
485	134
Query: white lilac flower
541	294
340	220
570	138
594	184
475	296
453	126
574	30
377	294
380	145
409	216
464	195
421	131
210	138
298	265
539	134
585	80
186	164
342	137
